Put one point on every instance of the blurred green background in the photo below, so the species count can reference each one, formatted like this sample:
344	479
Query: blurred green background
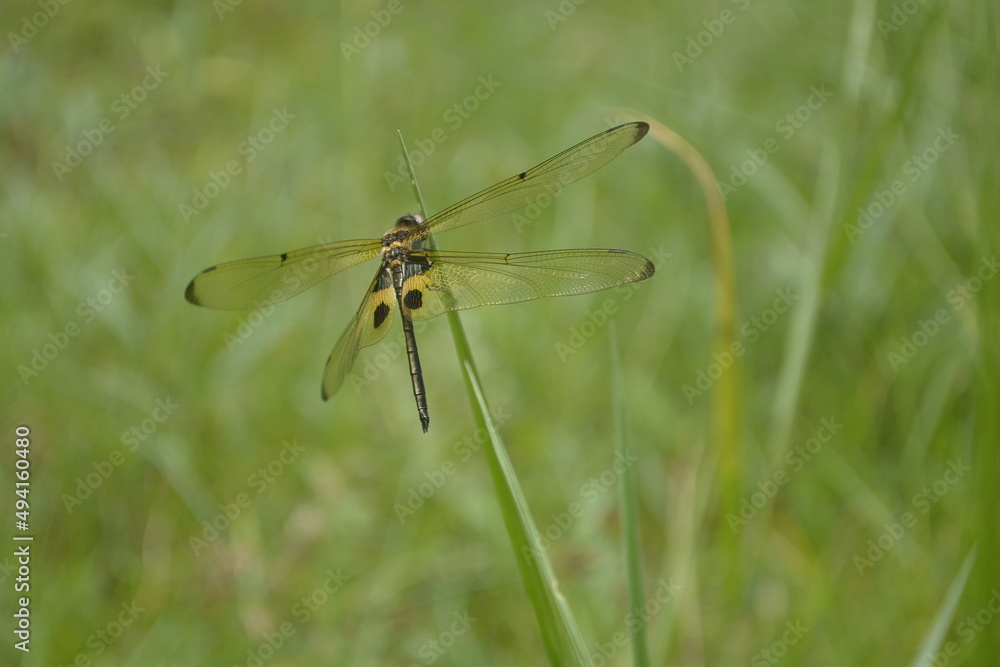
857	142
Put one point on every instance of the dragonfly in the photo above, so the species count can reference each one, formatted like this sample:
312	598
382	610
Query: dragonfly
420	281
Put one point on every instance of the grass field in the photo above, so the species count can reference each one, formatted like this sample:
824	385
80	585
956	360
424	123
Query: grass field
815	461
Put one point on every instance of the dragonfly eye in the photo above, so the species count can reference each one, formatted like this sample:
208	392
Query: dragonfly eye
409	220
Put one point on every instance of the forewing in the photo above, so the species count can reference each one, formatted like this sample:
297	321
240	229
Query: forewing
530	186
460	280
369	326
248	283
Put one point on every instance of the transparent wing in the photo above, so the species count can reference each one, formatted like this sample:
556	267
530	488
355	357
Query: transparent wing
369	326
460	280
248	283
530	186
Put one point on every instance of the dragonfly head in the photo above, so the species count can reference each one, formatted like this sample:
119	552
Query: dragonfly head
401	230
408	221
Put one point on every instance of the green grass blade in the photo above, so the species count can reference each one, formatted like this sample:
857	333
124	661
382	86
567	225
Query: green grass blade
726	396
630	510
413	177
932	641
559	632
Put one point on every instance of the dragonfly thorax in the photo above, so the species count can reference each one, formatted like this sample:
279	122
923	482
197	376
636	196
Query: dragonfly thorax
401	232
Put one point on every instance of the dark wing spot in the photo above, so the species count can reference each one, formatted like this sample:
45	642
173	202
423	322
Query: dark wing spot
381	312
284	256
414	299
522	175
190	295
